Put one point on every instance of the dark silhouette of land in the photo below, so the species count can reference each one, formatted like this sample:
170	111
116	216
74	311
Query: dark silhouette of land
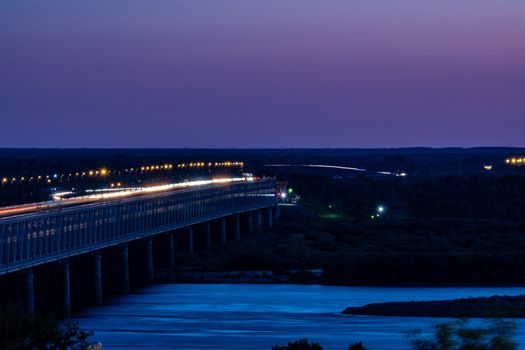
495	306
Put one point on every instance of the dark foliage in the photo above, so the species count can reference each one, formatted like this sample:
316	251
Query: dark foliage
22	332
357	346
301	344
496	335
479	241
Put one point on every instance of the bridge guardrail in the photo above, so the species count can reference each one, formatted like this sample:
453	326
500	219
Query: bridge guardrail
38	238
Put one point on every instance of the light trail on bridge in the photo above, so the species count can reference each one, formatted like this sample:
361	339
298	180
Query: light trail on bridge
99	195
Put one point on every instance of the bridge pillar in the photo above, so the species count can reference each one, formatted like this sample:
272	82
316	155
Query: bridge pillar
171	249
237	227
149	259
124	256
250	222
277	212
223	231
207	230
30	292
66	292
270	218
189	234
97	269
258	219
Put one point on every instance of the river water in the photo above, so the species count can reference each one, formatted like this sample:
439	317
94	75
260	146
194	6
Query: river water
258	316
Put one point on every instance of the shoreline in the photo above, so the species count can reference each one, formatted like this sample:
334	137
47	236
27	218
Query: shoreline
292	276
495	306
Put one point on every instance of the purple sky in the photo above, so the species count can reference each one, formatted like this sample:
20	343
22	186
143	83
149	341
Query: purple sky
262	73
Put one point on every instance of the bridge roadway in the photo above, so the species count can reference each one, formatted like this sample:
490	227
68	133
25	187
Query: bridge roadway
31	240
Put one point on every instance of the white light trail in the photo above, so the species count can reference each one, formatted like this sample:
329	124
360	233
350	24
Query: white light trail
339	167
104	194
125	192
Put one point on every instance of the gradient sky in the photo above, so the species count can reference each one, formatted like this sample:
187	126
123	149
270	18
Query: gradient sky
262	73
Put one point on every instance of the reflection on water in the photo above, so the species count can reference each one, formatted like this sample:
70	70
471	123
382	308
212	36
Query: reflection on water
249	316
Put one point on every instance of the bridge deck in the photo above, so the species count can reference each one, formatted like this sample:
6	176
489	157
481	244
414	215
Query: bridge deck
39	238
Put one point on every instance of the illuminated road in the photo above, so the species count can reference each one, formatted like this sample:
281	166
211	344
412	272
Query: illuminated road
102	195
338	167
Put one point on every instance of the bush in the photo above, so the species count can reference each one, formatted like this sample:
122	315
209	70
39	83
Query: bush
301	344
22	332
497	335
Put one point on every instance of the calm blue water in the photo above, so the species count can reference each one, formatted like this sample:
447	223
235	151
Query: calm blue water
248	316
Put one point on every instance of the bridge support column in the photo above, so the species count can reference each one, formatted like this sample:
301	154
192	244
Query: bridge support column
189	234
223	231
237	227
250	222
277	212
207	231
149	259
171	249
97	272
124	256
66	292
270	218
30	292
258	219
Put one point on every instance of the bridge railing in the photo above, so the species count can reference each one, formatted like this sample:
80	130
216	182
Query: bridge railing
38	238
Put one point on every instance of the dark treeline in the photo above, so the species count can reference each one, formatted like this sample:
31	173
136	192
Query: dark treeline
454	230
494	198
66	163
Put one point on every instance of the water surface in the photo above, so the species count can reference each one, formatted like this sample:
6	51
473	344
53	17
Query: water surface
258	316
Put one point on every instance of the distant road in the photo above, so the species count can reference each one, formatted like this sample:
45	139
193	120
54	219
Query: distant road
335	167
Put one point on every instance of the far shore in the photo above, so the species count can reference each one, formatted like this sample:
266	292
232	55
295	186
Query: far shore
490	307
294	276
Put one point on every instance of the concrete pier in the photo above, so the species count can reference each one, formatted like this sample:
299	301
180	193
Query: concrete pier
207	232
66	291
30	292
171	249
258	219
124	268
97	273
149	260
250	222
277	213
223	231
189	234
237	228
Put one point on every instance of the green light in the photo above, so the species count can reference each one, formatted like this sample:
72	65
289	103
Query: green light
372	217
290	190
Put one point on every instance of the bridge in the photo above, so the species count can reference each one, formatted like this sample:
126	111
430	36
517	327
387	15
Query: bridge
100	248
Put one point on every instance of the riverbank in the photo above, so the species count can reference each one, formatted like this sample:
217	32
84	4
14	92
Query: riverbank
494	306
284	276
311	276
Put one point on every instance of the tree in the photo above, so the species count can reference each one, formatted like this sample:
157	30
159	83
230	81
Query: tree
357	346
22	332
497	335
301	344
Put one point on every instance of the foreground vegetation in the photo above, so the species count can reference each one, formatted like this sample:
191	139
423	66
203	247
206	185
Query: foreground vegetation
22	332
455	335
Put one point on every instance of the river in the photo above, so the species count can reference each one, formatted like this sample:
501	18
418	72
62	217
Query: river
258	316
